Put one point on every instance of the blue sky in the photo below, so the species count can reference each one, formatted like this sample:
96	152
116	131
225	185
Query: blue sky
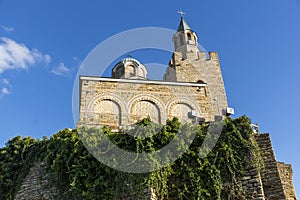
42	44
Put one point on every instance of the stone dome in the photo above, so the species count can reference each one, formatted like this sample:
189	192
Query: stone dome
129	68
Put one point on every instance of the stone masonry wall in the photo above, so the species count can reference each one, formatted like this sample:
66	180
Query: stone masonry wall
274	182
286	176
36	185
272	186
252	184
200	69
115	102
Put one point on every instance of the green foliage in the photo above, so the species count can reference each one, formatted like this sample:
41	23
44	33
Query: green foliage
15	161
80	176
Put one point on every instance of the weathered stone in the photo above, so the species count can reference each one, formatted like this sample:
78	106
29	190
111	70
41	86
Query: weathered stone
35	186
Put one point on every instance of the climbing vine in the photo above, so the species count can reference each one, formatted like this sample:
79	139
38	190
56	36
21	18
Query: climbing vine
78	175
16	158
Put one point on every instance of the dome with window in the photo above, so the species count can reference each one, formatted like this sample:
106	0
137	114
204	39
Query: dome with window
129	68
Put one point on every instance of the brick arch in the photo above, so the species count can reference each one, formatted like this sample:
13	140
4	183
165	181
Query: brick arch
180	108
111	97
107	110
143	105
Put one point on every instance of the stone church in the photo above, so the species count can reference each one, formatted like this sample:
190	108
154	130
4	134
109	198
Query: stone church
192	89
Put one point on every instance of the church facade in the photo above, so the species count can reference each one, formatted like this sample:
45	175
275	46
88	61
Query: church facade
192	89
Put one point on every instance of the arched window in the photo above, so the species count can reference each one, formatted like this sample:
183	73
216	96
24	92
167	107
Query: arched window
199	89
189	36
131	70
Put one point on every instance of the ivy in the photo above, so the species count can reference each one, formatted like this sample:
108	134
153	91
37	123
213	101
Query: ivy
78	175
15	161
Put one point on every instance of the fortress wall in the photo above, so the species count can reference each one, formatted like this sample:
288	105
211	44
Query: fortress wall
252	184
286	177
272	185
275	181
36	184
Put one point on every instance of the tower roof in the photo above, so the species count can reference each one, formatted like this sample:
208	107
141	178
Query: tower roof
183	25
129	68
128	59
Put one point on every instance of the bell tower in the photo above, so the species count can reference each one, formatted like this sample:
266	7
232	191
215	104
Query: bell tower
191	64
185	39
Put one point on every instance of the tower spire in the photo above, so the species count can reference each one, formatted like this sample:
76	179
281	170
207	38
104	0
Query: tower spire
185	39
183	26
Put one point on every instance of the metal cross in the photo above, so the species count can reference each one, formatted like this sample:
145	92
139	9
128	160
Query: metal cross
181	13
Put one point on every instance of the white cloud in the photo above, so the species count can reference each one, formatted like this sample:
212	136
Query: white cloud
15	55
6	82
5	87
47	59
7	29
61	70
5	91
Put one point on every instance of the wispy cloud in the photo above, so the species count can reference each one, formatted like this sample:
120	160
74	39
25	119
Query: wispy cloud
5	87
61	70
5	91
6	82
14	55
7	29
